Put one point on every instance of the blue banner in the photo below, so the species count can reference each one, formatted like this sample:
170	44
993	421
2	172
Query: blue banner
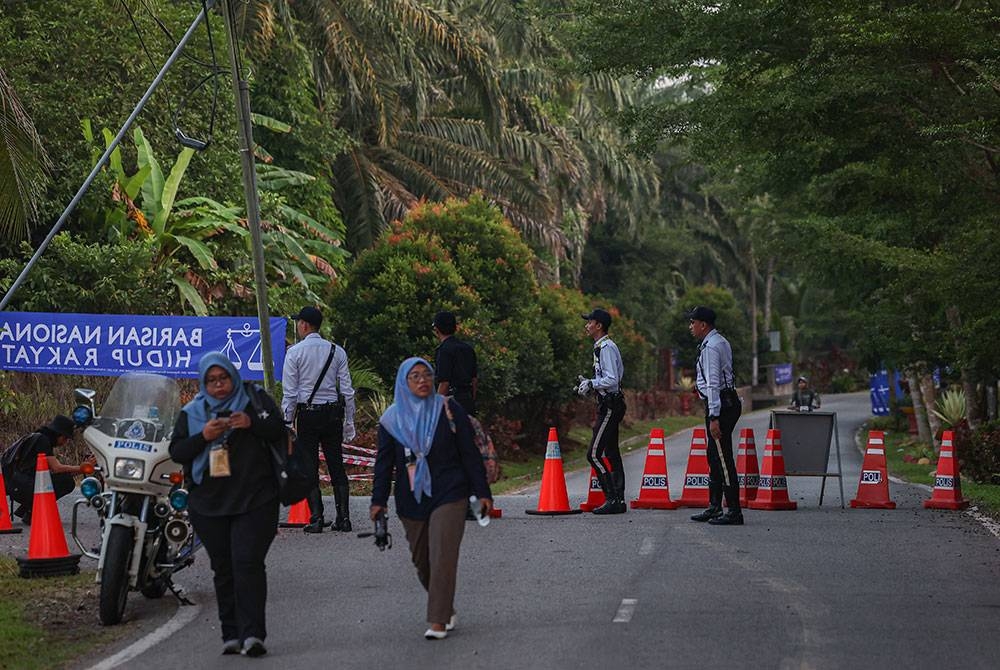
110	345
880	393
783	373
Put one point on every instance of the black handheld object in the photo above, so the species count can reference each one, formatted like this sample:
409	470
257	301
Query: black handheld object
383	539
223	414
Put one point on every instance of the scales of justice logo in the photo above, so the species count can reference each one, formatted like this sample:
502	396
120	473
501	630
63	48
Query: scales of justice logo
244	336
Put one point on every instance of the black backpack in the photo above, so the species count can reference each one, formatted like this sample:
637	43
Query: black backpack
17	457
291	469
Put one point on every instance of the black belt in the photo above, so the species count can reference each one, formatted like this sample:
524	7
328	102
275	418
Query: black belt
610	396
316	406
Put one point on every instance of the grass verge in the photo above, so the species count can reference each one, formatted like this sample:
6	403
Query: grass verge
985	496
49	623
518	474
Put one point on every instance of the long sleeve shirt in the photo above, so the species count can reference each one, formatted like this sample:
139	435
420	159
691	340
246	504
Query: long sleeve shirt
608	367
455	464
715	370
303	364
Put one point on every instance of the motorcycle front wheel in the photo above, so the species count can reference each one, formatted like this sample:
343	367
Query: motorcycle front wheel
114	576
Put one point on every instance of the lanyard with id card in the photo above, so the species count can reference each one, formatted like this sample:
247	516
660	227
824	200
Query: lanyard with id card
218	455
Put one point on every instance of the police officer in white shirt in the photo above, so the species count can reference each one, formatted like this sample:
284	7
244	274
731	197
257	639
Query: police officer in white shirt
608	371
318	401
717	386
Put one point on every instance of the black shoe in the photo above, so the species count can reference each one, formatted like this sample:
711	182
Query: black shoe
343	525
314	527
708	515
728	519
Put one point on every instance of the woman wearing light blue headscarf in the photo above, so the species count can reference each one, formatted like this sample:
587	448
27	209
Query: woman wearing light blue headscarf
425	445
233	503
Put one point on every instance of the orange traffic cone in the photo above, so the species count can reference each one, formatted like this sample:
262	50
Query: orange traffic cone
48	554
695	491
552	499
947	492
595	496
298	515
655	490
746	466
6	527
873	487
772	489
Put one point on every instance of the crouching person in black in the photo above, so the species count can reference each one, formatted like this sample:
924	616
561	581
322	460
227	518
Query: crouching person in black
223	445
21	458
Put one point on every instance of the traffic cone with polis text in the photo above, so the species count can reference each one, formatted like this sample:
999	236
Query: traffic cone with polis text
747	470
595	496
873	486
553	499
6	527
772	488
654	493
48	554
695	491
947	493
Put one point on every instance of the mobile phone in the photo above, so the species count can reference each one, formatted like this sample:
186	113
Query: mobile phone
223	414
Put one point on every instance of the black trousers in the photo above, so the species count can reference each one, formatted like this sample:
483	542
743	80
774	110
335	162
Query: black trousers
21	487
604	442
721	465
322	427
237	546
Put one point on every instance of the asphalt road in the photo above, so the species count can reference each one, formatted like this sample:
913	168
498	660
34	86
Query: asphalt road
819	587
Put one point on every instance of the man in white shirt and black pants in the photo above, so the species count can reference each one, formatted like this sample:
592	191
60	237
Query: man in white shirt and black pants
318	400
608	371
717	386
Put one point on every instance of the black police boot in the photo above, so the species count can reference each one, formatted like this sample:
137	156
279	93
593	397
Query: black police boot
316	523
714	503
618	482
733	515
342	497
610	505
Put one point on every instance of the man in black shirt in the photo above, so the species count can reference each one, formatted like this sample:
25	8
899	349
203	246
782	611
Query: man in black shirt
455	364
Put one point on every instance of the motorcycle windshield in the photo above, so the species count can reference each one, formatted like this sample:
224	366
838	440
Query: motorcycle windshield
150	397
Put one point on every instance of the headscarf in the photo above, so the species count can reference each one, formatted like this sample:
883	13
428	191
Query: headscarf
413	421
204	407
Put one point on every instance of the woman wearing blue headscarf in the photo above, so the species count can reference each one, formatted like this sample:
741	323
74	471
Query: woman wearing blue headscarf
223	445
429	446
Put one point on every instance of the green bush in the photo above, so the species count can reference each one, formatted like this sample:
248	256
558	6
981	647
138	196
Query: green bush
980	452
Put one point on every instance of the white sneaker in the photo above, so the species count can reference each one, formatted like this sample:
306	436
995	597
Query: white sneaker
432	634
452	622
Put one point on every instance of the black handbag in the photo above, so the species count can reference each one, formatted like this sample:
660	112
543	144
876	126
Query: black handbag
290	468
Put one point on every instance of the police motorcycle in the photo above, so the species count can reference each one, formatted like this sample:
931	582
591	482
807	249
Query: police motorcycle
136	489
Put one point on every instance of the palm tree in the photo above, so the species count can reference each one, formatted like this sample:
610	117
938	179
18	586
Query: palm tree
24	166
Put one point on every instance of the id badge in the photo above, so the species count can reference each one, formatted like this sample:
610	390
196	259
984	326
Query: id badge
411	472
218	462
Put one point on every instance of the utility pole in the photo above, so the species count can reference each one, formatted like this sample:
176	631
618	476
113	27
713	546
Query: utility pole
241	89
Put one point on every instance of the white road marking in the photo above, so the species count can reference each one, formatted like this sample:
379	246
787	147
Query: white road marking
185	615
647	546
625	610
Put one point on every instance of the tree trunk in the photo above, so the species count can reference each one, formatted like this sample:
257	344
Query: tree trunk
930	399
753	317
919	410
768	293
972	407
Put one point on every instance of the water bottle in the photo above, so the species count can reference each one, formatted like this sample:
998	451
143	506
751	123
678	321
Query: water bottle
477	511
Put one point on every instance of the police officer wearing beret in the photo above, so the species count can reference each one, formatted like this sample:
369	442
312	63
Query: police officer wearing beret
608	371
717	386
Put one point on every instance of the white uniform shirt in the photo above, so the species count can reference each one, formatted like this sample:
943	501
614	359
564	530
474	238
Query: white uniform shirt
303	363
608	367
715	369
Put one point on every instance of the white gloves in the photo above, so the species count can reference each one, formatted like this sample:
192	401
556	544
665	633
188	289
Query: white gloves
349	432
585	387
